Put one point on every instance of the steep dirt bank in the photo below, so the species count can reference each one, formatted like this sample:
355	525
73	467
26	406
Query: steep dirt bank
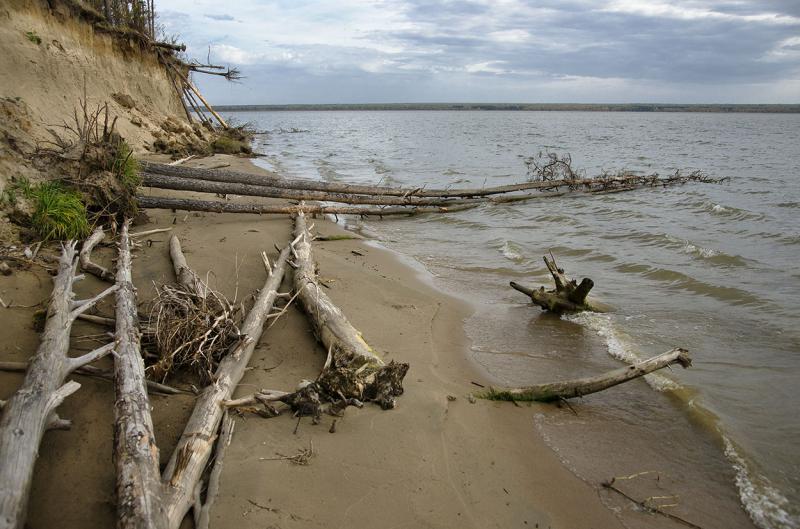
49	56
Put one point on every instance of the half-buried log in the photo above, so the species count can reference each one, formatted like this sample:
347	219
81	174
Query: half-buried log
87	265
568	296
135	451
352	370
569	389
190	457
31	410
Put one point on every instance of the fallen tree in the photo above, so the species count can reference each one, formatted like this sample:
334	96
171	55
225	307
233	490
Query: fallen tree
541	181
216	206
85	258
183	472
32	409
138	485
568	296
352	369
569	389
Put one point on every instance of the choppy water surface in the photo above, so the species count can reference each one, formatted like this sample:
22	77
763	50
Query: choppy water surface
713	268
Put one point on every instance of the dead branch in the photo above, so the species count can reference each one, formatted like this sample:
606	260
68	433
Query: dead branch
223	441
584	386
86	256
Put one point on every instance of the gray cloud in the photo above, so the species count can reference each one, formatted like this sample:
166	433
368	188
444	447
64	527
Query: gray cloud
516	51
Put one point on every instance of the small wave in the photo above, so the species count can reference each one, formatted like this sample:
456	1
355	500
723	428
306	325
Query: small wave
619	345
511	251
729	211
764	503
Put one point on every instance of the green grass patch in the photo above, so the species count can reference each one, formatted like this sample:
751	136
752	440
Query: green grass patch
59	212
126	167
33	37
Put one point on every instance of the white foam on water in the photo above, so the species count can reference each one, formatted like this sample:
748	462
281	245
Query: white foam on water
716	208
511	251
619	345
762	501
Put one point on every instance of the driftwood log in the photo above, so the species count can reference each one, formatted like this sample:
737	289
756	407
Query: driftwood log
568	296
183	273
353	370
625	181
236	188
569	389
32	409
191	455
135	451
215	206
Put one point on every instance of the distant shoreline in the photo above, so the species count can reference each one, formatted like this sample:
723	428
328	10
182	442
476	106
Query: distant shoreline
555	107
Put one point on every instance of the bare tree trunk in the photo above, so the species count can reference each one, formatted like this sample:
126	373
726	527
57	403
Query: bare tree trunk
234	188
270	180
353	370
568	296
185	467
584	386
216	206
29	411
135	450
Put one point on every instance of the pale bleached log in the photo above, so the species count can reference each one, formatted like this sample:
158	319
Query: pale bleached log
216	206
138	485
225	433
236	188
353	369
568	296
183	273
28	412
569	389
273	180
191	455
87	265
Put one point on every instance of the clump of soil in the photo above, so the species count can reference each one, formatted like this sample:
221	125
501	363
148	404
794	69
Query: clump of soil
179	139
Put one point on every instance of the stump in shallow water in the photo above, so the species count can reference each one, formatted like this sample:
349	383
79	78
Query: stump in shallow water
568	296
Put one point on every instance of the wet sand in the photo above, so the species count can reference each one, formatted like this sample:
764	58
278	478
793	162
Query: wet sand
432	462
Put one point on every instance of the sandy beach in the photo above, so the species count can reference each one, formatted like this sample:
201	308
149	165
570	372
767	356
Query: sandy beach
437	460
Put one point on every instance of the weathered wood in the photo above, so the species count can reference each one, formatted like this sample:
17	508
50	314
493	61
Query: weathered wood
568	296
169	46
183	273
584	386
96	372
225	433
235	188
353	370
215	206
195	445
29	411
273	180
87	265
138	483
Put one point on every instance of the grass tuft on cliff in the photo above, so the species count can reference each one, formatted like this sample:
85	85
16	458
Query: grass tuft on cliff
59	213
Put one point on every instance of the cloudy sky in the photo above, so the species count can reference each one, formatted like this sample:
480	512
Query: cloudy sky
378	51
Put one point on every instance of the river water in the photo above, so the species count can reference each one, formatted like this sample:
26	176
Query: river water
713	268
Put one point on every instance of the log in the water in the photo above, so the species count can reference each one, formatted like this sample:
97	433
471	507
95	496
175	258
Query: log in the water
135	451
191	455
603	183
32	409
569	389
568	296
216	206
